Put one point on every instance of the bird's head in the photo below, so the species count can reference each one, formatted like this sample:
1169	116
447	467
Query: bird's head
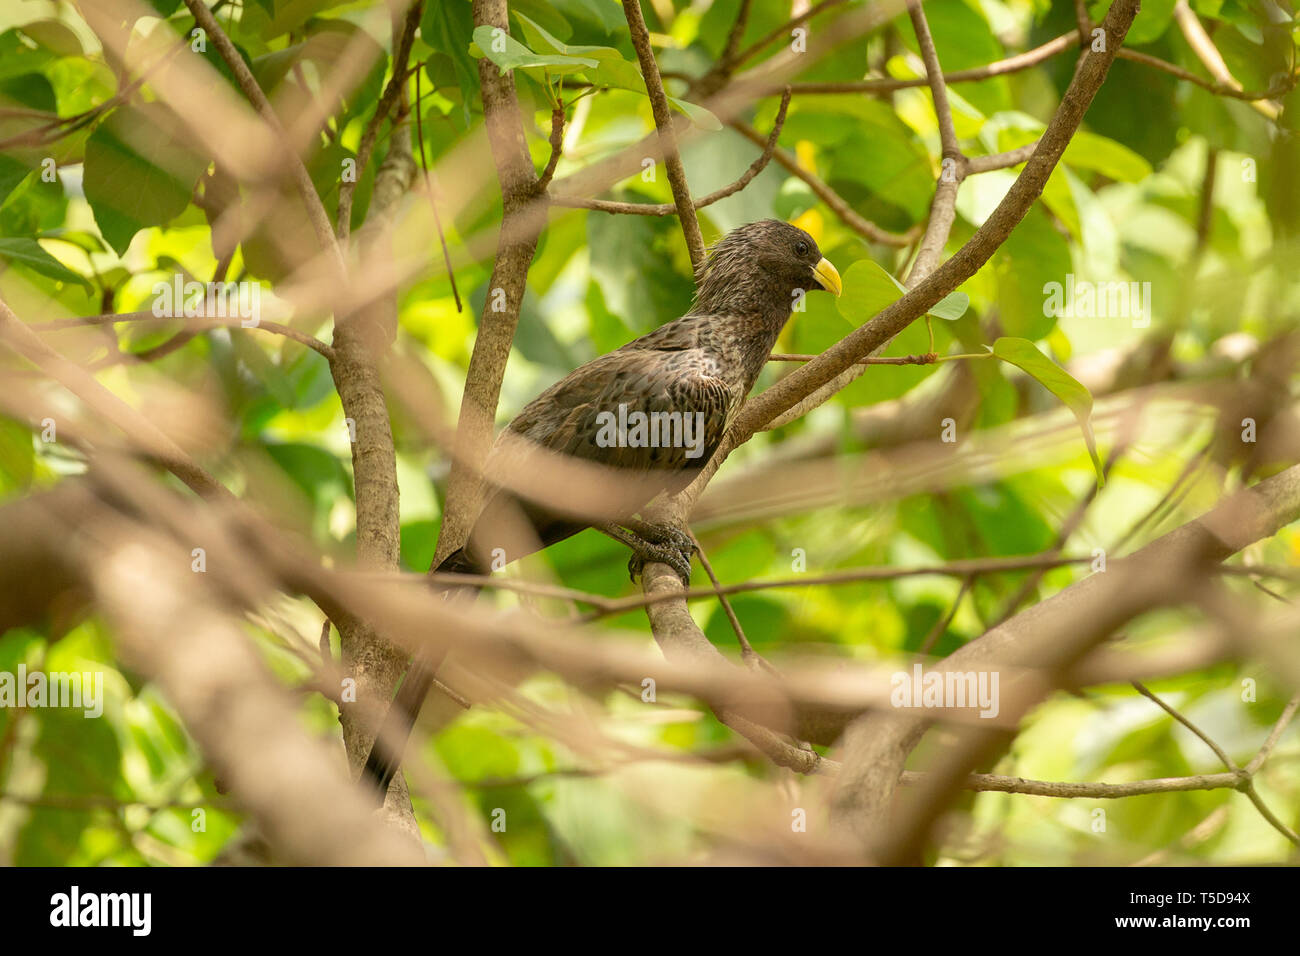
764	265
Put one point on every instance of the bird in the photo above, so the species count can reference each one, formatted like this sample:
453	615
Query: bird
699	367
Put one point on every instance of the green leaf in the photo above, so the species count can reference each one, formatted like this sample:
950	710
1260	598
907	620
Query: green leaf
874	159
12	172
610	69
1152	21
1103	155
54	36
951	307
17	56
137	172
449	28
697	114
632	263
17	455
1033	255
1025	356
28	252
868	289
514	55
31	90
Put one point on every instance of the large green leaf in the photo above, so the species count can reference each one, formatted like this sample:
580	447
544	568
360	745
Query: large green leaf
509	54
28	252
1025	356
611	69
12	172
1152	21
448	27
868	289
1033	255
1103	155
138	172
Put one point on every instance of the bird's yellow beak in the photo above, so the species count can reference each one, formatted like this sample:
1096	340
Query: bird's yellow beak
828	276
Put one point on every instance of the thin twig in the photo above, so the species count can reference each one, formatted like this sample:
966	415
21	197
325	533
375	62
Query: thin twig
934	76
667	136
557	145
248	84
1012	64
941	625
389	99
961	568
747	652
737	32
1012	157
1218	751
1285	86
208	322
997	783
782	32
668	209
1274	736
433	202
837	204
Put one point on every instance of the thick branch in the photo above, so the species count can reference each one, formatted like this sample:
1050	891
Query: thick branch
523	216
1053	634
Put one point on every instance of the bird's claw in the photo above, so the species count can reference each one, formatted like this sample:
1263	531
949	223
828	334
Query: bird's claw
663	544
679	561
666	535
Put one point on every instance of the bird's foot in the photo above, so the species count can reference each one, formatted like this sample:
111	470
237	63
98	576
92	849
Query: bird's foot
652	543
662	534
679	561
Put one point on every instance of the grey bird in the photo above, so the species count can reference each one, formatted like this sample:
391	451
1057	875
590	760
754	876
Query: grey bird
699	367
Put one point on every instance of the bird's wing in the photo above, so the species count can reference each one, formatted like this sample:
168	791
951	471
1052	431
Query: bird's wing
675	385
572	418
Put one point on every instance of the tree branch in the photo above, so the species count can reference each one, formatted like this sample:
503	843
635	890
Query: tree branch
523	217
668	209
850	217
667	137
316	213
1050	636
383	109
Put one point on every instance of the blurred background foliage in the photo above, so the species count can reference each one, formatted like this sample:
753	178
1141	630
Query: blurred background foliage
1124	206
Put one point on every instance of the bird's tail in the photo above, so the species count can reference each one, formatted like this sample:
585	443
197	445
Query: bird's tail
386	752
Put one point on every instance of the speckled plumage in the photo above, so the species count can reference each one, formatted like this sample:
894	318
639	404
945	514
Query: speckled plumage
704	362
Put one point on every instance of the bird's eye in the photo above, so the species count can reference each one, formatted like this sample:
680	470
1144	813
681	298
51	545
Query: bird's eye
801	248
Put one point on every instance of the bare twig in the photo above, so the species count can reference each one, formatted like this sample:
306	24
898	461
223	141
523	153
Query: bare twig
1284	86
390	98
997	783
433	200
837	204
667	136
1205	738
557	146
668	209
1012	64
248	84
1012	157
782	32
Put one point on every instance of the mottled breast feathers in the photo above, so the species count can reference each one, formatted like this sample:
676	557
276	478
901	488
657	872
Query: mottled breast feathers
667	371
